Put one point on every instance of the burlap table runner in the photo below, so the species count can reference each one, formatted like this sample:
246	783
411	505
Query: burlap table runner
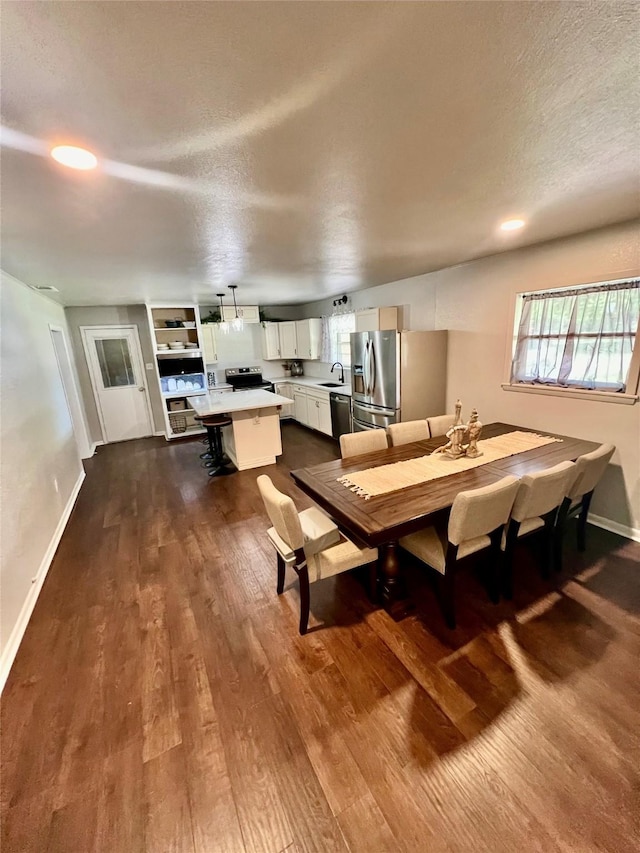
400	475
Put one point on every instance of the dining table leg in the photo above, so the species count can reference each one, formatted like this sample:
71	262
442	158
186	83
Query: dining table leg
395	598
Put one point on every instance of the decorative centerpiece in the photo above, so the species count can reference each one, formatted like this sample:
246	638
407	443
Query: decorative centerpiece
463	438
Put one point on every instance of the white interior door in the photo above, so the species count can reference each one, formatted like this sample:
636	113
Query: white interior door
118	379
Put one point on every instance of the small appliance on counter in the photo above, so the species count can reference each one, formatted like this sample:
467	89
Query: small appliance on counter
211	379
296	368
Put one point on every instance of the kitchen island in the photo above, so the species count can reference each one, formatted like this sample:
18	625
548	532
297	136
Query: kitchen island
253	438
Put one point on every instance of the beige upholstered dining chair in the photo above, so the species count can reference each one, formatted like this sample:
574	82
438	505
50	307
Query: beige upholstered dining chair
368	441
535	509
311	544
589	470
408	431
476	522
439	424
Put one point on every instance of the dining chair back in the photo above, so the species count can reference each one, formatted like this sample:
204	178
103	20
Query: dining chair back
282	513
357	443
478	512
535	508
541	493
589	470
311	544
408	431
439	424
476	522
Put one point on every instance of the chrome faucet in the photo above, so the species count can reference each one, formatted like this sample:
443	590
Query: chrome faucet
341	370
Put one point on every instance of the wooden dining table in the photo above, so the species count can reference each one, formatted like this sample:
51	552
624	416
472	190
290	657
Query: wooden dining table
381	521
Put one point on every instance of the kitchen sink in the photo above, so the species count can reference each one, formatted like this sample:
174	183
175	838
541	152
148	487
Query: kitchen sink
331	384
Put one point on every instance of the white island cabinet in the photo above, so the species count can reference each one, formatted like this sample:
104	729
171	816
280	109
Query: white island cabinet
253	438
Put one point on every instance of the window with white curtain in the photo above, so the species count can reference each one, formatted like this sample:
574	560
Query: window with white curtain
579	338
336	343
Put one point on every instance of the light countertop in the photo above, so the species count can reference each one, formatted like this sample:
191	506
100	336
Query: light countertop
313	382
222	402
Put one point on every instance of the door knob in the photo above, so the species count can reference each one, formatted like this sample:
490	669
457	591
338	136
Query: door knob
141	389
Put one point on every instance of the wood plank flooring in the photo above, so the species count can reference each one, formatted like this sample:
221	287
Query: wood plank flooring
162	699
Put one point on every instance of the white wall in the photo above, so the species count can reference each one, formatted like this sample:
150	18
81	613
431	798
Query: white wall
475	301
40	468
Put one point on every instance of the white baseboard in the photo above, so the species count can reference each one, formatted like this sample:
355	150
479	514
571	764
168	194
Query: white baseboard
614	527
13	643
96	444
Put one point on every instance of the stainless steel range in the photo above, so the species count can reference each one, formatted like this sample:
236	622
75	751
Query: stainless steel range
244	378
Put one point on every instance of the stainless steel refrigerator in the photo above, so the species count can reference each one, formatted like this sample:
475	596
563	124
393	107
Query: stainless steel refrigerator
397	376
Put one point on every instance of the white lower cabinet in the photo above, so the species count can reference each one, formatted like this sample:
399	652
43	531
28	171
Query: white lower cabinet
319	412
285	390
311	407
300	408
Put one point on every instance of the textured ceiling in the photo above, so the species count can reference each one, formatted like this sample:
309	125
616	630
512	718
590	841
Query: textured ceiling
304	149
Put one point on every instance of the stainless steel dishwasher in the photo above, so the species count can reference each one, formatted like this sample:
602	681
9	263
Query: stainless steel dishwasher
340	414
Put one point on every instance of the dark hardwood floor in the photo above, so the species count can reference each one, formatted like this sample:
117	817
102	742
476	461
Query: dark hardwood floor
162	699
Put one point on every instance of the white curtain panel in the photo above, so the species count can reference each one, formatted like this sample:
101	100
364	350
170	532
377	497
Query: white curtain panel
581	338
334	337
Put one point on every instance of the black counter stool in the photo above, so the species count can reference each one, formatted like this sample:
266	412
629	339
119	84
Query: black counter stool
215	459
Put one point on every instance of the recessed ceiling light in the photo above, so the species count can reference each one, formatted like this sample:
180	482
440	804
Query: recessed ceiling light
74	158
512	224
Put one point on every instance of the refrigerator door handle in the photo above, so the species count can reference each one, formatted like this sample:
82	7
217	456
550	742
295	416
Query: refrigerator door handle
372	369
365	367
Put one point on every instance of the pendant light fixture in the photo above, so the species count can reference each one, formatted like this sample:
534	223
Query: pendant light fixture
222	325
236	324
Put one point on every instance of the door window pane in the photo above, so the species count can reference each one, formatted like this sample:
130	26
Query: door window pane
114	359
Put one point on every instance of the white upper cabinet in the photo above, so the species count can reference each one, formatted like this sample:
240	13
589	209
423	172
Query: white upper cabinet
377	319
291	339
209	345
308	338
247	313
288	340
271	341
